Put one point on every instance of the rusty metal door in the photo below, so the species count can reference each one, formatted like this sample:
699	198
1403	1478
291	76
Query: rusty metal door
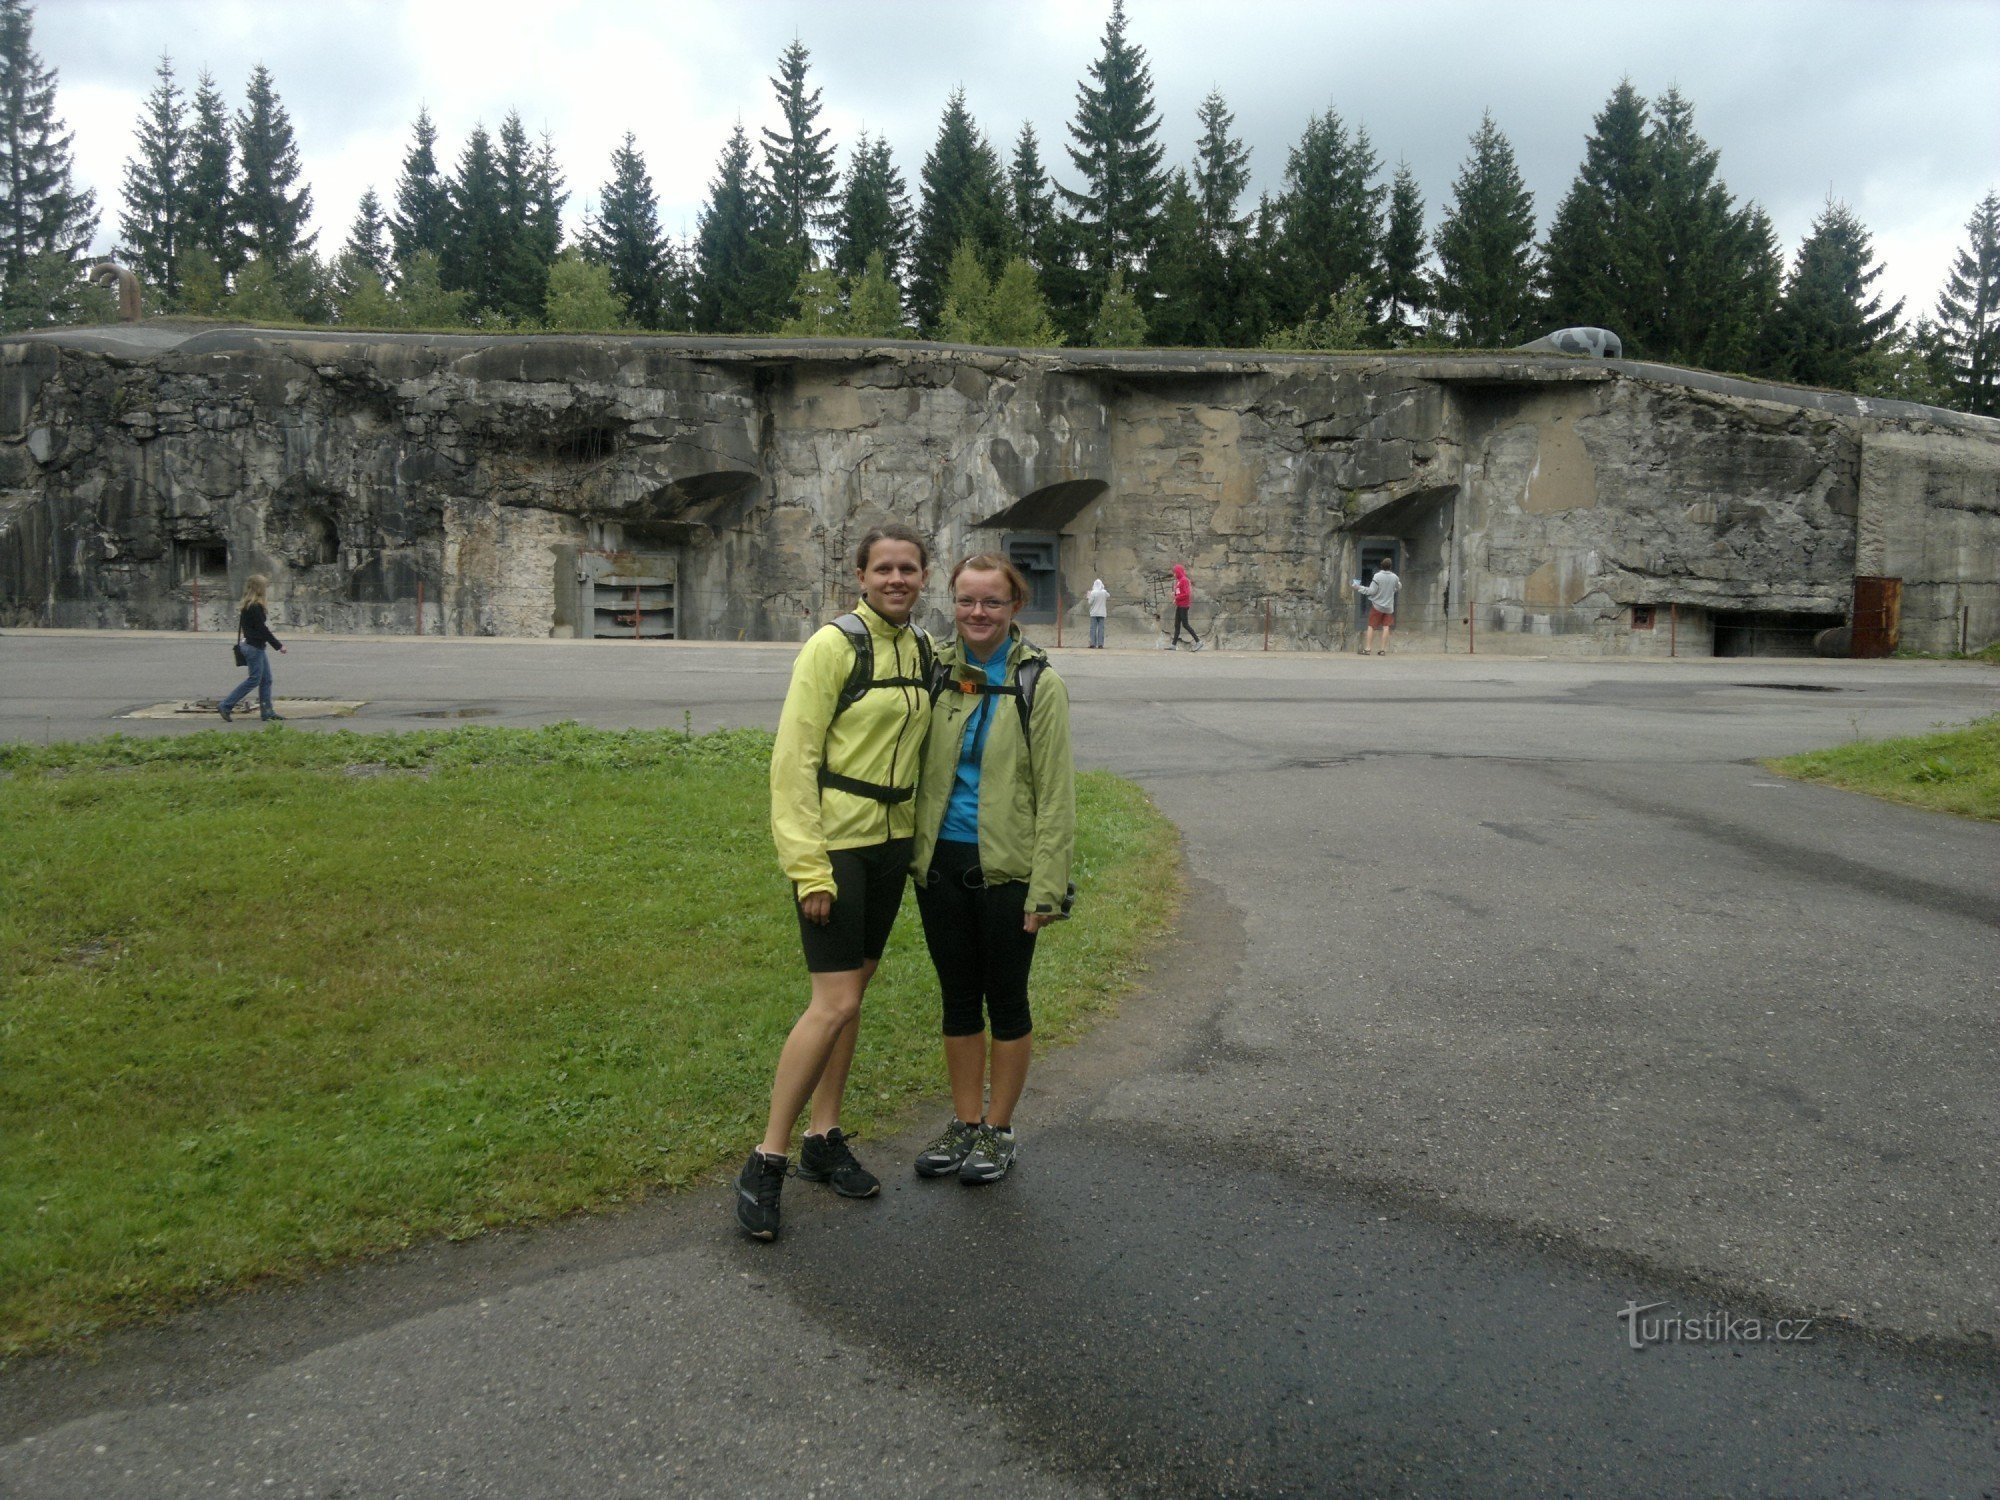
1878	616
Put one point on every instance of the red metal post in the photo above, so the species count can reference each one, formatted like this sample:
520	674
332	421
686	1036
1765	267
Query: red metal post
197	602
1267	624
1673	630
635	613
1471	624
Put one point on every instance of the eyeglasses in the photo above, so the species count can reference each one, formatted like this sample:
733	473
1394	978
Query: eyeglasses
991	606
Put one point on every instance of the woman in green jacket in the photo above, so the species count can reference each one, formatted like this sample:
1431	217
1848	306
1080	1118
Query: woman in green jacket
843	777
996	830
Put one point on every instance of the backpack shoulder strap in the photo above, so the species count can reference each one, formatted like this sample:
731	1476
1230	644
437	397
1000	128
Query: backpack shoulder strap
855	629
1026	676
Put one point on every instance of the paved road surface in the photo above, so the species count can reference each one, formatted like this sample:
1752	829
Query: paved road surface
1509	993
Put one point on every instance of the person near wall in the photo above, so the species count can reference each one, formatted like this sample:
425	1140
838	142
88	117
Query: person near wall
1183	597
1381	596
1099	600
254	625
843	812
996	832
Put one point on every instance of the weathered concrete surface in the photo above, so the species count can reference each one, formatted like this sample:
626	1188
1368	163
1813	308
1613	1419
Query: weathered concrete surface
517	485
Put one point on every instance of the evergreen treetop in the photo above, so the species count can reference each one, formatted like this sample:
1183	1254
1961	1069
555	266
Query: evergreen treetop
963	197
798	161
1486	246
367	241
624	237
1968	313
150	226
1221	173
268	215
474	253
1332	218
1600	261
1404	291
41	212
873	217
1114	151
729	256
1830	323
210	178
421	220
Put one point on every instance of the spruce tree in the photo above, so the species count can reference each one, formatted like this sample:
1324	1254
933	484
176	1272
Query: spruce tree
424	300
368	240
1044	237
874	305
1714	269
1405	290
1017	314
730	258
270	208
1114	214
423	200
798	162
1178	314
210	180
1829	325
476	245
873	216
1600	263
46	225
1120	323
964	197
1332	218
531	226
820	307
1221	174
1486	246
968	296
150	227
1968	314
624	237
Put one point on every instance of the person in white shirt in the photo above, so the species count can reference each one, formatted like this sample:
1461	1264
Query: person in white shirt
1381	596
1099	599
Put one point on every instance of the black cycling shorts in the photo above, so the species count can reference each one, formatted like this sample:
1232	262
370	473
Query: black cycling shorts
869	891
978	946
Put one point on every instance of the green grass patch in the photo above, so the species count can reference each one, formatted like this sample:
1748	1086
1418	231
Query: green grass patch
1956	771
272	1001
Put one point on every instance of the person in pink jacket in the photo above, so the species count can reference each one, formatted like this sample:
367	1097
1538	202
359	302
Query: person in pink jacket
1183	597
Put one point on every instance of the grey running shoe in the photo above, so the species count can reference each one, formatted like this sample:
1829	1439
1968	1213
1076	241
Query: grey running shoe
757	1189
826	1158
991	1155
1198	645
943	1156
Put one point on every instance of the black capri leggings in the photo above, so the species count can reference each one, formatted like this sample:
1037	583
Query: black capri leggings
1181	622
981	954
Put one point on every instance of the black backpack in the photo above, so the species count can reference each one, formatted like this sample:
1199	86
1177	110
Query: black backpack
1022	691
861	679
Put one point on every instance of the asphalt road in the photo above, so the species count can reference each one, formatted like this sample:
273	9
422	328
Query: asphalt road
1509	994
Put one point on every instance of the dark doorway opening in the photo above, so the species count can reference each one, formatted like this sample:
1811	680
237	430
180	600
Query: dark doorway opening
1372	555
1038	556
1758	632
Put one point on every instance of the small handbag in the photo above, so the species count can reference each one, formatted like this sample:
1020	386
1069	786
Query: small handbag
236	651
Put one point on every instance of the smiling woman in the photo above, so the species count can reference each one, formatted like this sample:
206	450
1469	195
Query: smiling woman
843	776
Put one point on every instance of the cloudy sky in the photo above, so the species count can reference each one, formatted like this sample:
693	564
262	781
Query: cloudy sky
1891	105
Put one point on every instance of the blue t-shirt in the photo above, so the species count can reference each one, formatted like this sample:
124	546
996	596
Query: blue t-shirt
961	813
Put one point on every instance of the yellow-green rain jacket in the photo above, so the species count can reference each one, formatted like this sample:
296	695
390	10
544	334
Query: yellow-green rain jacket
1027	791
879	739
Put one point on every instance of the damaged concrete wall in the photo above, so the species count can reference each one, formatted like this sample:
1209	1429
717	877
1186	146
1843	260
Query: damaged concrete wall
1546	502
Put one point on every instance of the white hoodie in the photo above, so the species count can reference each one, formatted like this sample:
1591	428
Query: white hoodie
1100	599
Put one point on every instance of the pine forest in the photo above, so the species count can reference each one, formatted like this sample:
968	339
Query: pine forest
1112	228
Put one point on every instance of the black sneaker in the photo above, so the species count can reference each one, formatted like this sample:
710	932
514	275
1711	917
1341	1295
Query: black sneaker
826	1158
942	1156
757	1189
991	1155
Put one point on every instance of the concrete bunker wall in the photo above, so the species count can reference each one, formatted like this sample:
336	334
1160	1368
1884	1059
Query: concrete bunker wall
1545	503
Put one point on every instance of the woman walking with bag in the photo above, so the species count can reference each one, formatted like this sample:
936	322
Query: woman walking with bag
996	830
843	779
253	625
